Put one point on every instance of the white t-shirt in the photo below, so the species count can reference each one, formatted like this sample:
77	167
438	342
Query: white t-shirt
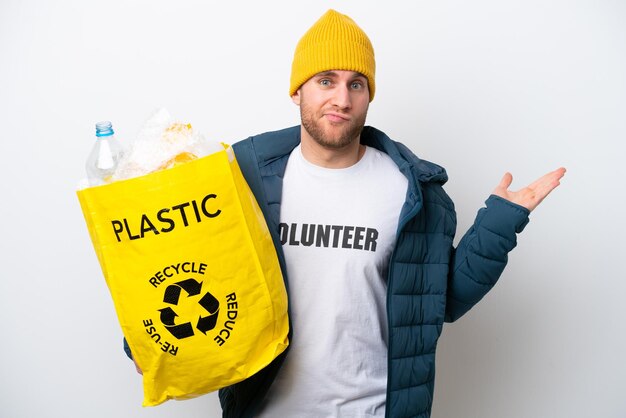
338	229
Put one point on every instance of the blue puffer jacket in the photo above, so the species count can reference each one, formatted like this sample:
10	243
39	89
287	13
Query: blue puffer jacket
429	281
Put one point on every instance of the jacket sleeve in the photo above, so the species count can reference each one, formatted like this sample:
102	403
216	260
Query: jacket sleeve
127	349
482	254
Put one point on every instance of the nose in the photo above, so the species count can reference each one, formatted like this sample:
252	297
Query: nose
341	97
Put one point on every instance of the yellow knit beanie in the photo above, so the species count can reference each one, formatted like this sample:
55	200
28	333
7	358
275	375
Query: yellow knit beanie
334	42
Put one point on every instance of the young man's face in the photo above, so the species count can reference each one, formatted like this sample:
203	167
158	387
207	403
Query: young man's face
333	107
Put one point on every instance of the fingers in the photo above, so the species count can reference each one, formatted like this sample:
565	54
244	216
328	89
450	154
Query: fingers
548	182
506	181
550	178
544	186
137	367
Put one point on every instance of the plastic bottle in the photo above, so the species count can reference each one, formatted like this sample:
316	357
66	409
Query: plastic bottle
104	155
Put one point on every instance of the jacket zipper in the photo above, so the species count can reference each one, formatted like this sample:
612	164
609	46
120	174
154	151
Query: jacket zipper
401	226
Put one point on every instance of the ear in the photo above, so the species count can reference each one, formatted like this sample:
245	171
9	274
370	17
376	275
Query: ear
296	97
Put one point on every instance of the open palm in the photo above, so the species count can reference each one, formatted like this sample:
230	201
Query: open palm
530	196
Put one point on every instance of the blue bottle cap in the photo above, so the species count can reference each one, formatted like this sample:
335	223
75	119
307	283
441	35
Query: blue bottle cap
104	129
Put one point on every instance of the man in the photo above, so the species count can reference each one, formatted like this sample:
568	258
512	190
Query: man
363	231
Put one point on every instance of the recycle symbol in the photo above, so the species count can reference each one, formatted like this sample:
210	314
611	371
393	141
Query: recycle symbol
172	296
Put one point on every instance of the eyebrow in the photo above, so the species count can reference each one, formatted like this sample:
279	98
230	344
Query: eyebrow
355	74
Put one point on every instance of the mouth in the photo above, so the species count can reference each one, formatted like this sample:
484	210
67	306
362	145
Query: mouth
336	117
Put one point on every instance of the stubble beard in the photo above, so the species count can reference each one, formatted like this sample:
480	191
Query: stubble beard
341	139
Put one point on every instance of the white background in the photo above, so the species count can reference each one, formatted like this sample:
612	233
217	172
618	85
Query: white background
479	87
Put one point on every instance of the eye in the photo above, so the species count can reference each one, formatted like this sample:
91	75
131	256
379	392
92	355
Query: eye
357	85
324	82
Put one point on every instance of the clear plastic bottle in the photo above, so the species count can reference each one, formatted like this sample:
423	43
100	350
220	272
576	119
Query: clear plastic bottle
104	155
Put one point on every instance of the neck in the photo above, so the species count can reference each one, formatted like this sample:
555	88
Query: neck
330	157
